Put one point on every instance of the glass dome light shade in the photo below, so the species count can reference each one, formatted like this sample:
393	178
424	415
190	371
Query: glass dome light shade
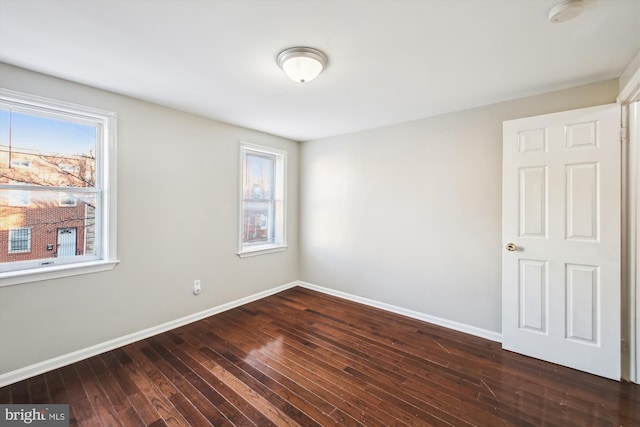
302	64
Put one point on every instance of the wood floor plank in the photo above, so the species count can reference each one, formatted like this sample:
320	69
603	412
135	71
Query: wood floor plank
472	385
301	358
263	355
260	398
113	391
188	354
162	377
58	393
364	381
38	390
115	361
152	385
5	395
20	392
339	371
212	404
270	389
334	414
83	411
99	400
353	357
367	405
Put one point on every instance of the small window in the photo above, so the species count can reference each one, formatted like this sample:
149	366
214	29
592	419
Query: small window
67	199
20	163
19	198
57	172
19	240
262	207
66	167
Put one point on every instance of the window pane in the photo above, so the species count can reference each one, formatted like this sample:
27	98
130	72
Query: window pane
60	224
257	223
19	198
41	150
258	182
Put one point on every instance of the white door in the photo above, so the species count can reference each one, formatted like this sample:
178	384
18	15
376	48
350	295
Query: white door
66	242
561	211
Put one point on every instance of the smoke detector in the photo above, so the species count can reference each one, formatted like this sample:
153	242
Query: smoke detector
565	11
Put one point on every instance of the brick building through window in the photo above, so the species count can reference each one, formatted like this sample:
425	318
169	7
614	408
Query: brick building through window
40	224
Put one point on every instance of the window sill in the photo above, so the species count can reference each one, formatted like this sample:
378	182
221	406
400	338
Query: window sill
47	273
262	251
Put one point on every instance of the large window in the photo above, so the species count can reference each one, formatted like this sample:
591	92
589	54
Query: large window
262	207
57	174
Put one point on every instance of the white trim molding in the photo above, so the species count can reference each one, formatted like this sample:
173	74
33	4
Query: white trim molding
629	97
450	324
633	243
34	275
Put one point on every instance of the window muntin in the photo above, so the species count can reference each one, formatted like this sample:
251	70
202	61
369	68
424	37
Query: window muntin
55	174
262	207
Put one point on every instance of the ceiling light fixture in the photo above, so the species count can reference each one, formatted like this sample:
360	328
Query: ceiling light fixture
302	64
565	11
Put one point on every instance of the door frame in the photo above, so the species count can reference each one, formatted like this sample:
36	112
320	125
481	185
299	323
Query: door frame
630	135
631	243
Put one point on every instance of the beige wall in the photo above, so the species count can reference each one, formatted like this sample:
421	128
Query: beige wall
177	221
410	215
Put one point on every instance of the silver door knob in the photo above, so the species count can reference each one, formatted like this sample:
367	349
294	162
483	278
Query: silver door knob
510	247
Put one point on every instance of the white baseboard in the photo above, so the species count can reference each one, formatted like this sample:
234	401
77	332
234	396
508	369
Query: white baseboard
461	327
76	356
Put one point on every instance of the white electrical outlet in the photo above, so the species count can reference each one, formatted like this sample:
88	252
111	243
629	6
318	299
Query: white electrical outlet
196	287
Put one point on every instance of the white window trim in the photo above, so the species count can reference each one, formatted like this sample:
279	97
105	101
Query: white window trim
108	249
261	249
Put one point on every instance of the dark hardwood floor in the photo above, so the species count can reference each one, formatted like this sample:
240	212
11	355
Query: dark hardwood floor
305	358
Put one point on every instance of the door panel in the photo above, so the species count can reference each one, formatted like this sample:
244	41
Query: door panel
561	209
533	292
582	290
533	202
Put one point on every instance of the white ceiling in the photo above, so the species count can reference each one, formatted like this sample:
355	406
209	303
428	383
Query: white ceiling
389	61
